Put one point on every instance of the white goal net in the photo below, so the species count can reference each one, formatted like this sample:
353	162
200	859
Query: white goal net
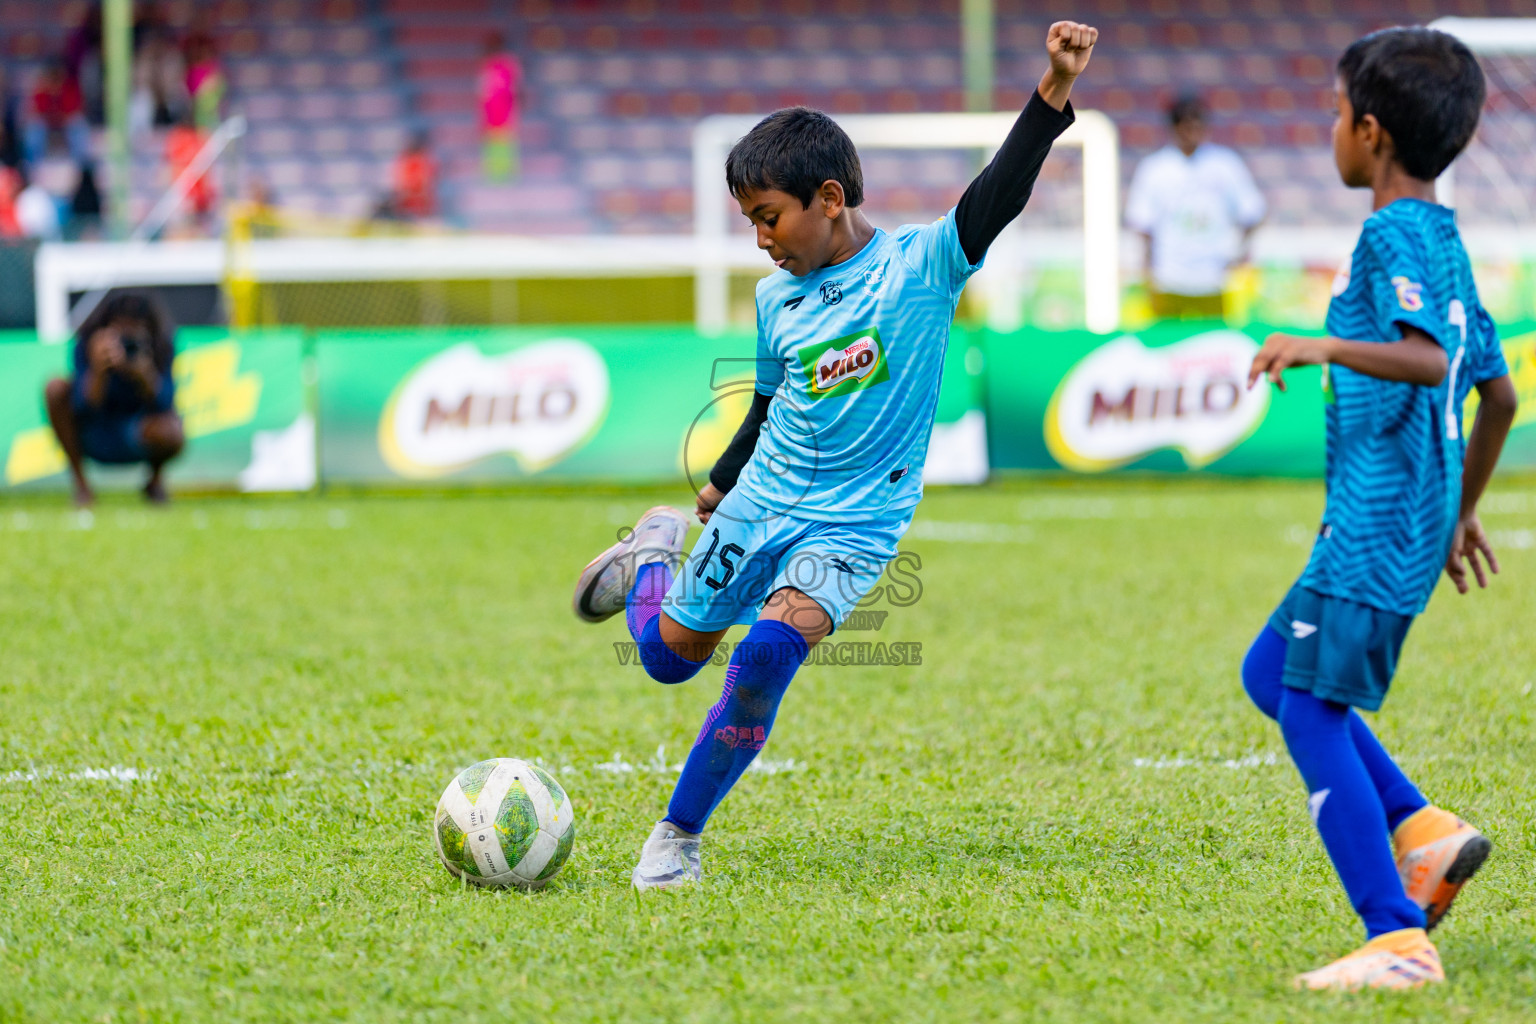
1491	183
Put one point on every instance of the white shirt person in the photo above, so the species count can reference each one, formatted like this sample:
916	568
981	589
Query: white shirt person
1197	206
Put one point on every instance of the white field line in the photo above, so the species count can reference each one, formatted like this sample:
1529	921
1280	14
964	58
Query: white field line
1147	506
1247	761
116	773
1514	540
657	764
1507	502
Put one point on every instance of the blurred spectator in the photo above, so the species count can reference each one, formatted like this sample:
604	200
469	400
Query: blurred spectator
159	84
261	209
85	206
37	212
149	20
501	78
1197	207
10	131
263	202
415	182
10	187
119	407
57	110
82	60
205	75
182	144
199	36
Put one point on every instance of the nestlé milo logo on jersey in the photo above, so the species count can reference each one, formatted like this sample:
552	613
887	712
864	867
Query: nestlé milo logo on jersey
845	365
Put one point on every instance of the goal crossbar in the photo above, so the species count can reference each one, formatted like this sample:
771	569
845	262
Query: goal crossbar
1492	36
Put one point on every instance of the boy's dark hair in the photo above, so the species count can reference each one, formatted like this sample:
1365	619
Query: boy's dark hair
1187	107
794	150
1425	88
140	314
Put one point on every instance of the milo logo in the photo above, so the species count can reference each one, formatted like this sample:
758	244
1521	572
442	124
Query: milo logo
1125	400
856	362
537	404
845	365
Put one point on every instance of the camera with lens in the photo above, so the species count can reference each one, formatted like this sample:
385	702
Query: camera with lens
135	341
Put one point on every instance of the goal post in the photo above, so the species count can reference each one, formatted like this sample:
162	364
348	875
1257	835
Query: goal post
1495	167
1093	132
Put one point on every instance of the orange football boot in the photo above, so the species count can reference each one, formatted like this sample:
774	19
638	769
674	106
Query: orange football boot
1437	853
1400	959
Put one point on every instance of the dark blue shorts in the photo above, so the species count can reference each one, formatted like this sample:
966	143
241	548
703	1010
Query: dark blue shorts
114	439
1337	649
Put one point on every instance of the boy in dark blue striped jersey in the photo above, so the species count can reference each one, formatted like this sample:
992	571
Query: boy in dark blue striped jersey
1408	341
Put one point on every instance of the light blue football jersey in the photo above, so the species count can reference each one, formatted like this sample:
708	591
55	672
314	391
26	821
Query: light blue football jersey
853	356
1394	450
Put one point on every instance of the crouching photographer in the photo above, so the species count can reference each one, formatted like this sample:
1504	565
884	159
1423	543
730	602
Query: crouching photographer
119	406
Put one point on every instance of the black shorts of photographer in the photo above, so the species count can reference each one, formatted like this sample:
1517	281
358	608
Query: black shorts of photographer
119	406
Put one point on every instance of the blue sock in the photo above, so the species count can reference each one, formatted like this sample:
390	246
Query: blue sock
642	614
643	602
1262	671
738	725
1347	810
1400	798
1263	668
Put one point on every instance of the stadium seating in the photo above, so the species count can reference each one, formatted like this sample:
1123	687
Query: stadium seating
333	88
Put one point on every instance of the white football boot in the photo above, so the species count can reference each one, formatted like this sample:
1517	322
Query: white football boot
669	859
604	583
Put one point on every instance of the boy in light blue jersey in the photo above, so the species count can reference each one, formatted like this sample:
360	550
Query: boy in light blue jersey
1403	481
806	506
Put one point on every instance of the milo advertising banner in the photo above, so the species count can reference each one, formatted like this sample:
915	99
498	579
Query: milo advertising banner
579	403
1174	398
599	403
241	398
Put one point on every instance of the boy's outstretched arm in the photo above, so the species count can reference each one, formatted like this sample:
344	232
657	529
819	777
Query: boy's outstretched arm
1416	359
1000	191
1495	415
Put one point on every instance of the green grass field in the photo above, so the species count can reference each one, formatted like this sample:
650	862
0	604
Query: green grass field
224	727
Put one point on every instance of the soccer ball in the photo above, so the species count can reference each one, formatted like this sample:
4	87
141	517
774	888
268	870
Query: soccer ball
504	822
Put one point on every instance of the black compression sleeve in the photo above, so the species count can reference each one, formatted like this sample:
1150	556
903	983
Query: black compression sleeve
1000	191
728	466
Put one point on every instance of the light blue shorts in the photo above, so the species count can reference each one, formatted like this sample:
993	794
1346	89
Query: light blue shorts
748	551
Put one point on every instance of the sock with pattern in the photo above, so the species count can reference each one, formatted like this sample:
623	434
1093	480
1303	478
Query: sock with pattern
738	725
642	614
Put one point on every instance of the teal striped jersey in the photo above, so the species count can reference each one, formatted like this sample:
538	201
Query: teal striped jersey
853	355
1394	450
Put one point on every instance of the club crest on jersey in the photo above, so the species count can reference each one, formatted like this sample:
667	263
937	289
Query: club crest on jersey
1410	294
832	293
874	278
845	365
1341	279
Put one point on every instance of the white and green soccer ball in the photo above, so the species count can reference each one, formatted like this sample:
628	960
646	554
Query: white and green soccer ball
504	822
